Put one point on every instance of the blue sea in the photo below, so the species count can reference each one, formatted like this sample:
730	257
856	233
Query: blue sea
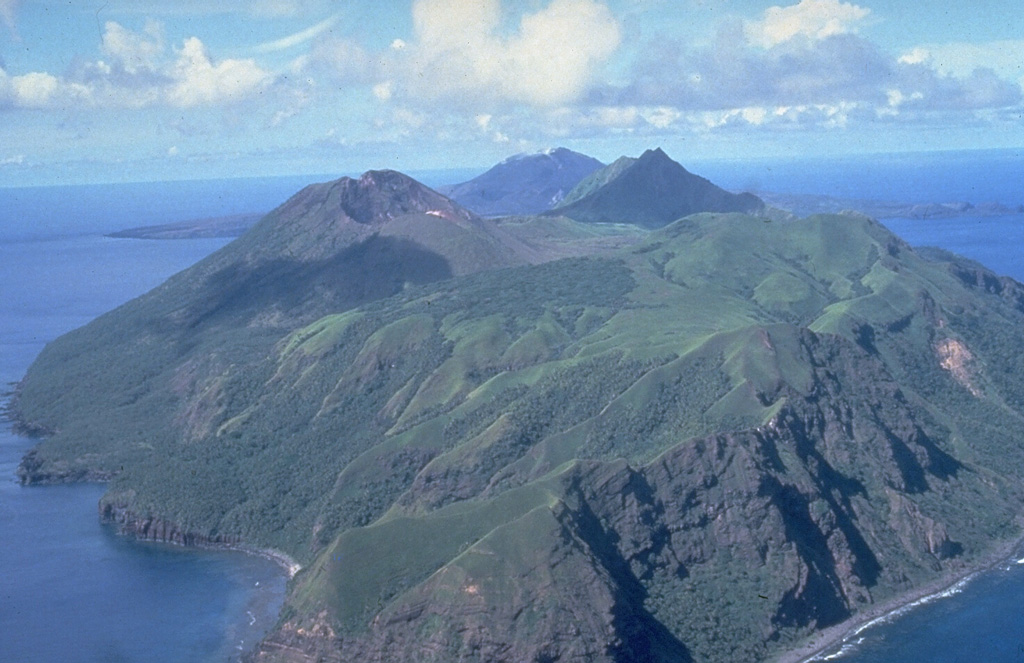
72	590
981	619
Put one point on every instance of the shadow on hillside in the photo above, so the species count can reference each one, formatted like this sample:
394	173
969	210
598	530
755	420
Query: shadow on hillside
300	291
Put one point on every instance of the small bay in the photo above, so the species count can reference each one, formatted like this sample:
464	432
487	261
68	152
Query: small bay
71	589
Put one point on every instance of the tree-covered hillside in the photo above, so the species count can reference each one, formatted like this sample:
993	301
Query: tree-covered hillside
610	457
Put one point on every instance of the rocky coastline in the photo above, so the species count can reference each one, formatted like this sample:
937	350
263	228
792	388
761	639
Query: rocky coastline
33	471
821	643
161	530
299	642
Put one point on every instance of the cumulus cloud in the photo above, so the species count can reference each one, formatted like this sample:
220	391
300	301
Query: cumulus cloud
962	58
732	73
461	55
981	89
812	19
802	66
198	81
583	121
134	51
916	55
33	90
137	72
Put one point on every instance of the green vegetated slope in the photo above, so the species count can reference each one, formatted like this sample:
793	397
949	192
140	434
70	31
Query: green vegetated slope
604	458
597	179
825	423
167	365
650	191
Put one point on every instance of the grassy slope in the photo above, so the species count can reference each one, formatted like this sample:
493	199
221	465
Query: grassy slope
651	192
733	408
596	180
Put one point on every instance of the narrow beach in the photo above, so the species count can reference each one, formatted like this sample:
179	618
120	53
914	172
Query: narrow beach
283	560
832	638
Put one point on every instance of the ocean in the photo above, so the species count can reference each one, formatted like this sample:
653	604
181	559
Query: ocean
72	590
979	176
981	619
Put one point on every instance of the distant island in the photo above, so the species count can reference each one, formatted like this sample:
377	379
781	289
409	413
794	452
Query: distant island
657	422
806	205
524	183
550	182
223	226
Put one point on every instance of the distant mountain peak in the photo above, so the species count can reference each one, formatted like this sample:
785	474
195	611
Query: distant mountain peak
554	152
385	177
658	159
651	191
524	183
378	196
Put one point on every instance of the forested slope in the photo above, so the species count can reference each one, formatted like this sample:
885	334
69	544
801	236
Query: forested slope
605	457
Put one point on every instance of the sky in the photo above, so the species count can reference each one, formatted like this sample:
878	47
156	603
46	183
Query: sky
137	90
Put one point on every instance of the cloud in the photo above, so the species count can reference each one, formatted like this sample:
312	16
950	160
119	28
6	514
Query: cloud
916	55
383	91
16	160
982	89
138	73
577	122
6	90
344	61
812	19
33	90
461	55
962	58
831	80
198	81
732	73
8	12
661	117
298	38
132	50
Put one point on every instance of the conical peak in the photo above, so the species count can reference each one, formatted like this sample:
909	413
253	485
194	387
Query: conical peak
380	178
379	195
657	155
650	191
